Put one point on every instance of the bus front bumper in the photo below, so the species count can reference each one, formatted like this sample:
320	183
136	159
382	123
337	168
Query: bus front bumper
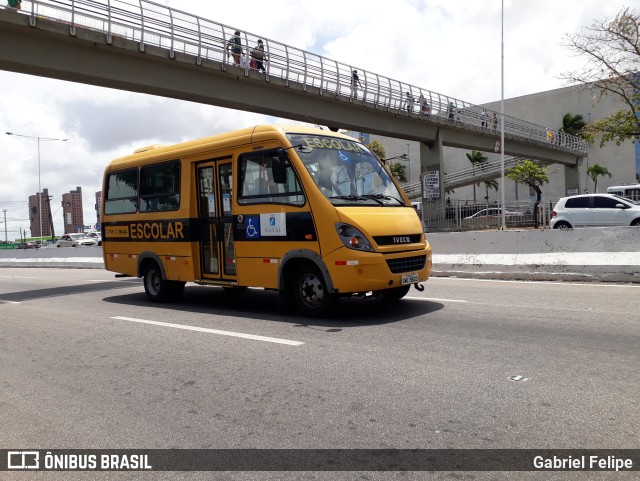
355	272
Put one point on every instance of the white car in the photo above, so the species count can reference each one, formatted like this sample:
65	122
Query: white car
492	216
594	210
97	236
75	240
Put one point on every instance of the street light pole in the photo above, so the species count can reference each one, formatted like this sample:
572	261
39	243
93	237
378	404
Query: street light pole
503	222
37	139
6	240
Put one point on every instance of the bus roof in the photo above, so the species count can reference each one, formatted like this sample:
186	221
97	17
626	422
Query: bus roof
223	140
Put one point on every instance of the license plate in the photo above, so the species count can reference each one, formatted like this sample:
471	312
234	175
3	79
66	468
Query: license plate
409	278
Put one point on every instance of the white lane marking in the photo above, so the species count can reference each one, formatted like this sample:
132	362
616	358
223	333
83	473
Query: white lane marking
115	280
212	331
414	298
58	260
19	277
2	301
542	259
561	283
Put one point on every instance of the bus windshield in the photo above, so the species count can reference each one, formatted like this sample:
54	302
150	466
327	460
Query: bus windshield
345	171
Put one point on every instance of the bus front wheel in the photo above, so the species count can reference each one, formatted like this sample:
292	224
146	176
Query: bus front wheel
159	289
309	292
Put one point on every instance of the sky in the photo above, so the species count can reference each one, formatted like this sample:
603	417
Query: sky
452	47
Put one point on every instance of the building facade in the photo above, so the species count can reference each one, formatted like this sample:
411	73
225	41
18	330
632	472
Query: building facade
72	211
97	209
40	214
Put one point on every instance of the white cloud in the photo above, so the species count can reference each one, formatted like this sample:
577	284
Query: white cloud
447	46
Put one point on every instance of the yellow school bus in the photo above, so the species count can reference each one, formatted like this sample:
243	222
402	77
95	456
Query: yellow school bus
304	211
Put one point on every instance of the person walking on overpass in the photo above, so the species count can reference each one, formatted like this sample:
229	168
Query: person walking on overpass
258	57
355	82
425	109
235	46
451	111
410	103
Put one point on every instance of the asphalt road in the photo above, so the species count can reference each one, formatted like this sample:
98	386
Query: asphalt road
83	367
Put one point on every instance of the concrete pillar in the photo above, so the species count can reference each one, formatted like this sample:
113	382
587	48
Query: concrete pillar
571	180
431	179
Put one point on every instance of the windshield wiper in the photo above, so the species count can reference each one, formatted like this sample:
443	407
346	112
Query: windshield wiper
383	196
357	197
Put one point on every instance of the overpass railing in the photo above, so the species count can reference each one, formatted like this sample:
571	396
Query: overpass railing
176	31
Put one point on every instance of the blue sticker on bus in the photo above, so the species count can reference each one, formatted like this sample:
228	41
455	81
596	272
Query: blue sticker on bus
253	227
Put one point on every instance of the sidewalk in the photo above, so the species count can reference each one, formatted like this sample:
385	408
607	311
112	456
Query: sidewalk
605	254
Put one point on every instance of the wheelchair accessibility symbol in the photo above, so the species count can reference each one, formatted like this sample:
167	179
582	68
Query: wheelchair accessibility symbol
253	227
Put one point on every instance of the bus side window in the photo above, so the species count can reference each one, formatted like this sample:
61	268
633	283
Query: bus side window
257	185
122	192
160	187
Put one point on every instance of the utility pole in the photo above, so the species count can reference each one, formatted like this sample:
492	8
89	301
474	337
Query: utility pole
6	241
38	140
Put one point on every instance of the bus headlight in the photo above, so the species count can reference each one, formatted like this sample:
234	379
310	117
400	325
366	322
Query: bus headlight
353	238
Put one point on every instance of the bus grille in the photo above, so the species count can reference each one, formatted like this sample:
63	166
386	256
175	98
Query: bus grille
406	264
389	240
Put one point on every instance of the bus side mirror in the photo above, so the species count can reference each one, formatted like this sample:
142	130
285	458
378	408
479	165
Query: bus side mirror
278	167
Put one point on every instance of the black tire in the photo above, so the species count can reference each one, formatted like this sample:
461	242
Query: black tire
159	289
394	294
309	292
635	223
562	225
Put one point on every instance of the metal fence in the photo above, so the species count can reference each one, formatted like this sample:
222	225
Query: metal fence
176	31
459	215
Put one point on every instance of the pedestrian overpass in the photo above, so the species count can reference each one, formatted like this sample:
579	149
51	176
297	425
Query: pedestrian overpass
474	174
145	47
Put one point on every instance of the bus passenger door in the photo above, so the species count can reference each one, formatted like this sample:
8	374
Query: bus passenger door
217	250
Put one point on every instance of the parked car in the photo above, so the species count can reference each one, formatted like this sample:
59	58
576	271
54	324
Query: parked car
97	236
75	240
27	245
492	216
594	210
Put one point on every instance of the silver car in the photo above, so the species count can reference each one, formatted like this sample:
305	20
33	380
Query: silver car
75	240
594	210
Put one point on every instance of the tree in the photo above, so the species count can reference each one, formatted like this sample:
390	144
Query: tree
572	124
612	68
596	170
475	157
529	173
489	184
398	171
377	149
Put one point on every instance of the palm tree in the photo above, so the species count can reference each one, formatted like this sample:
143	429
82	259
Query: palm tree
476	157
489	184
572	124
398	172
594	172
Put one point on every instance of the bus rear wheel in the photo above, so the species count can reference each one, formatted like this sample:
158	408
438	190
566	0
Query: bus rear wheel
159	289
310	294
